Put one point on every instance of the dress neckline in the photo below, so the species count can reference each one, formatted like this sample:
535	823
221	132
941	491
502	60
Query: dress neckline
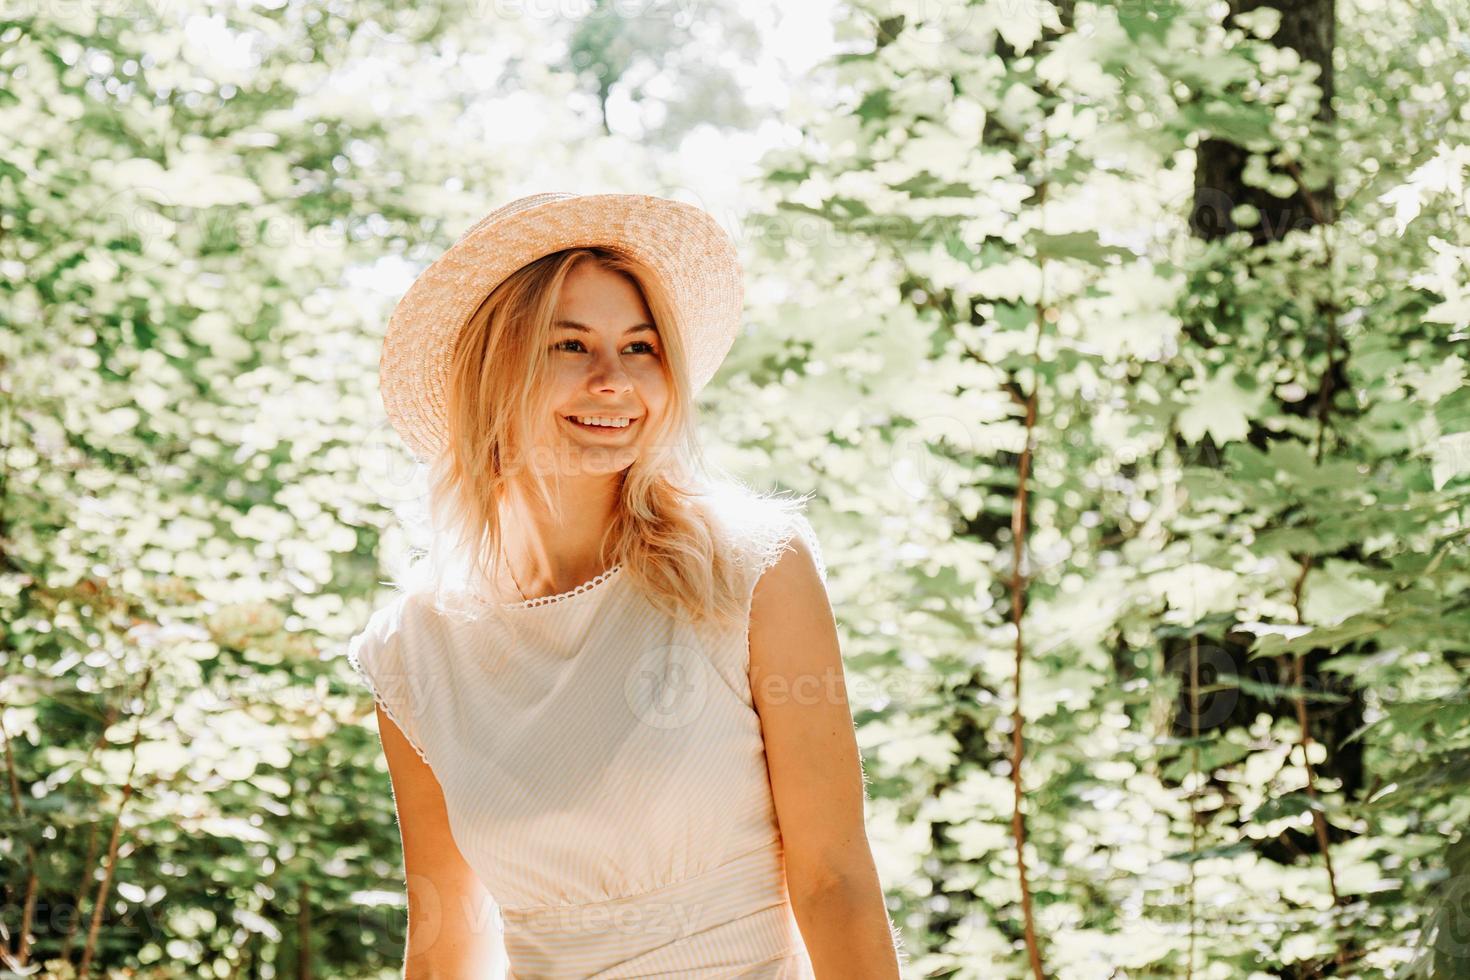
547	600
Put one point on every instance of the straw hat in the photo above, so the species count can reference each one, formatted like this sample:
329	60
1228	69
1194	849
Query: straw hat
683	244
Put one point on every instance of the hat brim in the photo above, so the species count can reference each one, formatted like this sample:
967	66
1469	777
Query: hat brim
682	244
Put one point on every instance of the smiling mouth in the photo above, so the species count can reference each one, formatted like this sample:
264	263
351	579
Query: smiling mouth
603	428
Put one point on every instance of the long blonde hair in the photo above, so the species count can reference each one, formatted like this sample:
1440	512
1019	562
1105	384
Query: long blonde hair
665	530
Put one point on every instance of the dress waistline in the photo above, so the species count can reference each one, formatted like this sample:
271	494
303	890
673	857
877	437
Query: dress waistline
746	895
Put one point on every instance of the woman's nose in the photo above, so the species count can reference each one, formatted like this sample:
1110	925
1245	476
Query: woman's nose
606	370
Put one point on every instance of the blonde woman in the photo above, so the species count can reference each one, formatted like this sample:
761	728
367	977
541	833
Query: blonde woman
610	693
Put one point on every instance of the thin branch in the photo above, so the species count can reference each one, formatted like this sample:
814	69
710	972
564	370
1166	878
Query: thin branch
110	864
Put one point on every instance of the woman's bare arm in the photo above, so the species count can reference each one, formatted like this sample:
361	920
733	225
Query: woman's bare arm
452	930
816	773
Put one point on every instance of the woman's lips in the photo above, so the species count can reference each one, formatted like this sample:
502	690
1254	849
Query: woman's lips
600	428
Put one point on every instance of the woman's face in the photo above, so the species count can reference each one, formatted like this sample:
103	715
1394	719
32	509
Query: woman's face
606	365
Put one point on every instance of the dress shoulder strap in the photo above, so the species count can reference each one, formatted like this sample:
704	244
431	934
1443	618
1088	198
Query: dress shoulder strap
770	540
761	528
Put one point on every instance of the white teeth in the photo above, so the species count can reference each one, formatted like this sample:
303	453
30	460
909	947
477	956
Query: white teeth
612	423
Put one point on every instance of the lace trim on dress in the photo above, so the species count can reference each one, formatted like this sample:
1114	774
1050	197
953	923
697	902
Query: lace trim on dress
547	600
388	709
768	542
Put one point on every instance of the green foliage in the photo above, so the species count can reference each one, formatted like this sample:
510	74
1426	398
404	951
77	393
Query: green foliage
1238	458
1007	199
185	517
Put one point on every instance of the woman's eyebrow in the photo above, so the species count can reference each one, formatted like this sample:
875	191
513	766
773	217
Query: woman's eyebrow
583	328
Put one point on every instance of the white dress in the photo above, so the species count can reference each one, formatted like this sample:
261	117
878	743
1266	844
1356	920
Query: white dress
604	771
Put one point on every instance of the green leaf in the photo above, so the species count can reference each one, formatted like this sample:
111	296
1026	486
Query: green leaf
1223	406
1289	805
1285	692
1081	245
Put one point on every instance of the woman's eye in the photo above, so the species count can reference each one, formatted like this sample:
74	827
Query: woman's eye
561	345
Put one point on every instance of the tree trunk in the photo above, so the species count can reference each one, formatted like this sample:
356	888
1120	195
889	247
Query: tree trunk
1308	26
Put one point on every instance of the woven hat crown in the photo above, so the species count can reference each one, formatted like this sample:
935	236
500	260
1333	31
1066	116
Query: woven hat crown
683	245
506	210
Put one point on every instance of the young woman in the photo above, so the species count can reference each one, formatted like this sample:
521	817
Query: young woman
610	695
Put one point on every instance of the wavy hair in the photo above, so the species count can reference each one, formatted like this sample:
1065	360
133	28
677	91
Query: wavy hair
666	530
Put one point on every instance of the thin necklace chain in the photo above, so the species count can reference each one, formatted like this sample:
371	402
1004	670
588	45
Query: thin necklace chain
511	572
505	559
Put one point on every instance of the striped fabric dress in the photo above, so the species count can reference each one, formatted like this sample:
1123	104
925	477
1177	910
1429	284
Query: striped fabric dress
604	772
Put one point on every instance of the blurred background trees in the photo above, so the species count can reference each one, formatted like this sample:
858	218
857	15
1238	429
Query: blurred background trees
1122	343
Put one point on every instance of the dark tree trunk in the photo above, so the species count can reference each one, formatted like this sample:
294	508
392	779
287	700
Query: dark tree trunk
1308	26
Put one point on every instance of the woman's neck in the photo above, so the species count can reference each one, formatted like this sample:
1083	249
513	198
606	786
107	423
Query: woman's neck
545	556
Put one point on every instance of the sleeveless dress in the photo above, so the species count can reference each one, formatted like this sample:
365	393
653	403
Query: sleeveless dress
604	771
